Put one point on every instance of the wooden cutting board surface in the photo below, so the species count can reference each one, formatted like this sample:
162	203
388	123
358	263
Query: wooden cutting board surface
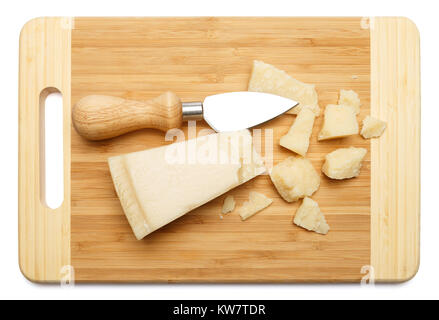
374	218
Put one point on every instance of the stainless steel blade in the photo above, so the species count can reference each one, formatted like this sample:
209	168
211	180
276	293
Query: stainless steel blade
241	110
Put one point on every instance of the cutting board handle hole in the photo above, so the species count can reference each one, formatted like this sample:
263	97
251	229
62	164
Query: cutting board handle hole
51	148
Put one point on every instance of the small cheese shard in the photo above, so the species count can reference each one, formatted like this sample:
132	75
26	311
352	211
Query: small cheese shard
295	178
297	138
267	78
256	202
350	98
340	121
229	205
310	217
159	185
372	127
344	163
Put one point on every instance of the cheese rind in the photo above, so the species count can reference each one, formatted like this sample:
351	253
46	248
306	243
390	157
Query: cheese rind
350	98
125	191
295	178
155	188
372	127
269	79
229	205
340	121
310	217
257	202
344	163
297	138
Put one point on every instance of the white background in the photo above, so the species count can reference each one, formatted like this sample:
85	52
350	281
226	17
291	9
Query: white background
15	13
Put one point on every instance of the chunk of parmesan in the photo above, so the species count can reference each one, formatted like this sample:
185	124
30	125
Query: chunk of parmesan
267	78
159	185
297	138
350	98
310	217
340	121
256	202
229	205
295	178
344	163
372	127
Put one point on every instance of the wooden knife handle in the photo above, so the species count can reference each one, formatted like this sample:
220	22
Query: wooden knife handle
98	117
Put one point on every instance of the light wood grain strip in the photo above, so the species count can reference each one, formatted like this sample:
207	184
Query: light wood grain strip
45	65
395	87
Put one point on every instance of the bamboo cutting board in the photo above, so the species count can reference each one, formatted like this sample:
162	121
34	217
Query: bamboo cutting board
374	218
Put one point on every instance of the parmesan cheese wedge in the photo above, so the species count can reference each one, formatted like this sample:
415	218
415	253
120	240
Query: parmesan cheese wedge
295	178
344	163
257	202
159	185
229	205
310	217
372	127
267	78
350	98
340	121
297	138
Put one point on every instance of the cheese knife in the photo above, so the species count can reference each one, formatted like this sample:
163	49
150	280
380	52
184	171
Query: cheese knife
98	117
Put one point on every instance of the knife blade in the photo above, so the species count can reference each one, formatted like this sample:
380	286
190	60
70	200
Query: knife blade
241	110
97	117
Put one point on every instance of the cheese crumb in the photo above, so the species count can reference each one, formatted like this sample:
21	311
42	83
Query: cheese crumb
340	121
267	78
229	205
344	163
297	138
310	217
257	202
350	98
372	127
295	178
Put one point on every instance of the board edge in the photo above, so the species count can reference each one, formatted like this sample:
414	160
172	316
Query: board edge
395	156
44	233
